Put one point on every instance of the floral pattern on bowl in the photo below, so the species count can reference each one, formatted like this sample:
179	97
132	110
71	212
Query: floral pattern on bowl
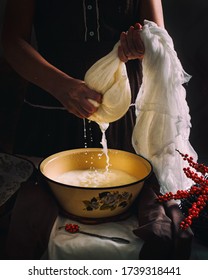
13	171
108	201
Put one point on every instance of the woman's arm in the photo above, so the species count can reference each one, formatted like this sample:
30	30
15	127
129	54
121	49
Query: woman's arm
152	10
25	60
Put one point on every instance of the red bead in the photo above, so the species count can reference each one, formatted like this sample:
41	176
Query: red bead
72	228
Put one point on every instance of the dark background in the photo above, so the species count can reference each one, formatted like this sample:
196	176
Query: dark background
187	23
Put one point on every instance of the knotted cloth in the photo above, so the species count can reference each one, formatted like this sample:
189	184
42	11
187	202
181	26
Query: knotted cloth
109	77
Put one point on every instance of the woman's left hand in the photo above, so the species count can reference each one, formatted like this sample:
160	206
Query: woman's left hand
131	45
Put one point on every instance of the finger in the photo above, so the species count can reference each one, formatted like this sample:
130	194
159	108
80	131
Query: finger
121	55
138	26
81	112
124	44
90	106
89	102
130	41
80	109
94	95
139	43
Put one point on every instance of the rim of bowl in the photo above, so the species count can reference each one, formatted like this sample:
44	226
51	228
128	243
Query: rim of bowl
97	188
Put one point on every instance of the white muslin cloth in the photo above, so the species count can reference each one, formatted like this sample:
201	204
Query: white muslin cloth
77	246
162	113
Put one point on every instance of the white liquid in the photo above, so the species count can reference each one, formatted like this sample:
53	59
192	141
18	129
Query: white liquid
96	178
103	128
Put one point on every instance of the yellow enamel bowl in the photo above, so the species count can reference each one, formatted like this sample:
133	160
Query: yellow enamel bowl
95	202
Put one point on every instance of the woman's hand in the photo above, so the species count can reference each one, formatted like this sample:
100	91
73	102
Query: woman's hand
75	98
131	45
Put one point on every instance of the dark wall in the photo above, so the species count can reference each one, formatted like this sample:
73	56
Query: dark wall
187	23
2	8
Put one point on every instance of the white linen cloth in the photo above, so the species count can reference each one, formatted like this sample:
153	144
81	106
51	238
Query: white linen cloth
162	113
77	246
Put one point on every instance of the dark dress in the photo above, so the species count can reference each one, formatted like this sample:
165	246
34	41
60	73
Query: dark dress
73	35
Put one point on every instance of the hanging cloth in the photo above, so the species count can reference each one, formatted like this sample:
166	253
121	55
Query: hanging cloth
162	113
